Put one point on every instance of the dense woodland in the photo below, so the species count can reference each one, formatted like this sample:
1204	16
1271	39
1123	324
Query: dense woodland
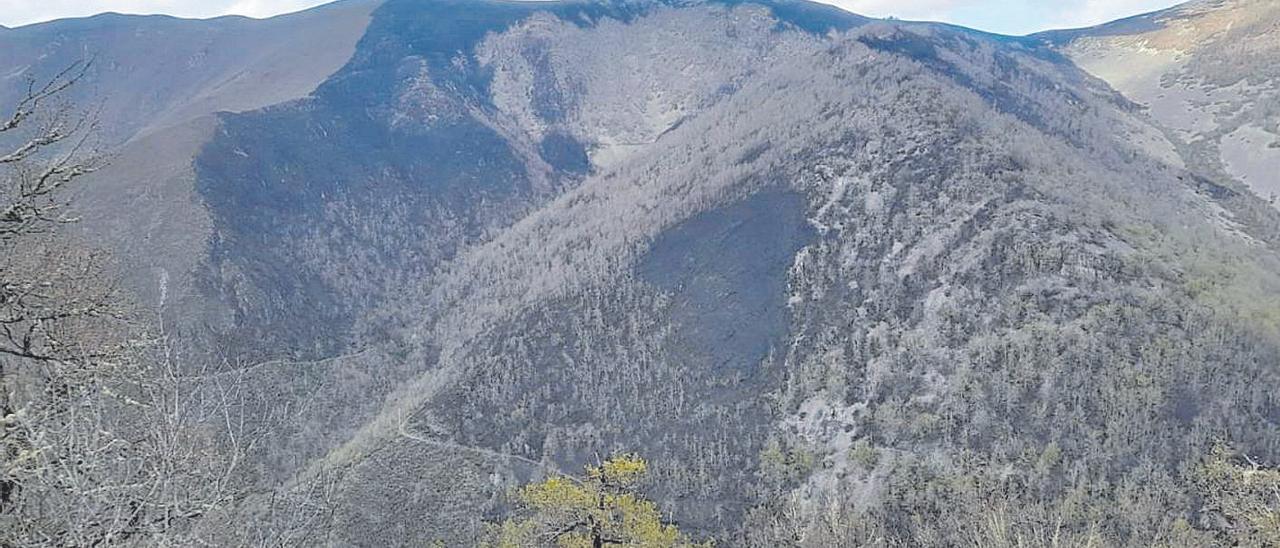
914	286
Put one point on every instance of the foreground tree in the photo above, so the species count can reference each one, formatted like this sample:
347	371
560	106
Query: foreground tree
103	439
600	509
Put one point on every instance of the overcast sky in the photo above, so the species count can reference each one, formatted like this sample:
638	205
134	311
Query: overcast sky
1003	16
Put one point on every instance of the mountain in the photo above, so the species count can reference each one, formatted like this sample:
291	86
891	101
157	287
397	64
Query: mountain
157	71
839	279
1206	71
155	86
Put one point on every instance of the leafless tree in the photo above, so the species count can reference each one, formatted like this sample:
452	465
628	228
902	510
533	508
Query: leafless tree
104	439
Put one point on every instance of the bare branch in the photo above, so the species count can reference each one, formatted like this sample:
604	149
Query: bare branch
35	97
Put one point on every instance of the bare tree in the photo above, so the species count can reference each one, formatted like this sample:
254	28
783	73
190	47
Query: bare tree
40	290
104	438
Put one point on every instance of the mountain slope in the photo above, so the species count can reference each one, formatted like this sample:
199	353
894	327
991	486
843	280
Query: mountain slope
838	279
963	252
1207	71
154	71
154	86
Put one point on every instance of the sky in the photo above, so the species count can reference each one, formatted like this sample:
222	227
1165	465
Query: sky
1002	16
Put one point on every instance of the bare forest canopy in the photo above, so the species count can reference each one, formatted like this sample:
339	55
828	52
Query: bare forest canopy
645	273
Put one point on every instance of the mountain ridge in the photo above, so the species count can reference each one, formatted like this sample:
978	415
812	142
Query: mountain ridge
488	274
754	244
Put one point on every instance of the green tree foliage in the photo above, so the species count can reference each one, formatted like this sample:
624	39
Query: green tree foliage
601	509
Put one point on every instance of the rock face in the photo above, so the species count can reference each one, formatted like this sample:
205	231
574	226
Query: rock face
809	264
1206	70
